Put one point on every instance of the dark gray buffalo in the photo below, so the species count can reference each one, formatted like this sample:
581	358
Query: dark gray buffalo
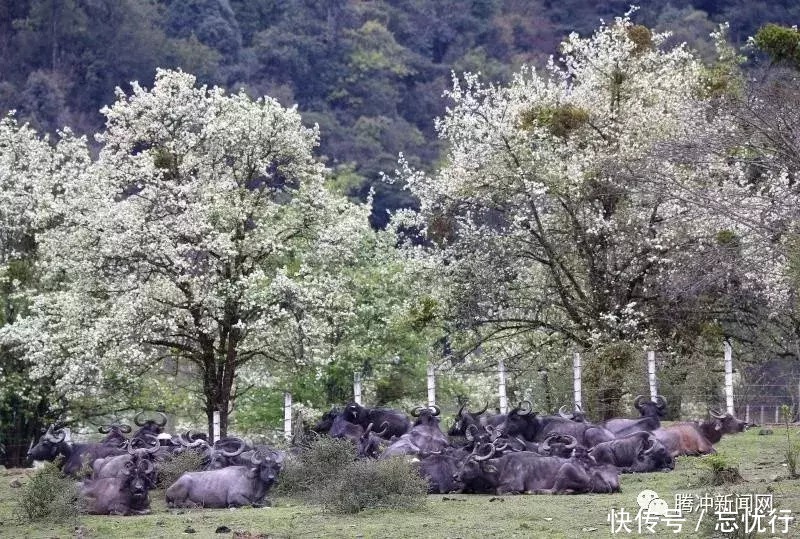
123	495
233	486
531	473
53	444
649	420
636	453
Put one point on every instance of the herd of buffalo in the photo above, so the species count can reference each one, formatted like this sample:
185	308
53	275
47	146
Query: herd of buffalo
518	452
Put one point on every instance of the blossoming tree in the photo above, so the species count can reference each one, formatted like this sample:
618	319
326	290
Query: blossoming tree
190	237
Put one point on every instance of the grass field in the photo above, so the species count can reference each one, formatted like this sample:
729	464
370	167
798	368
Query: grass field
761	461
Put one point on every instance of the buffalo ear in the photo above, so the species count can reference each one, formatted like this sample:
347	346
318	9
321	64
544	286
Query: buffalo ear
252	473
490	468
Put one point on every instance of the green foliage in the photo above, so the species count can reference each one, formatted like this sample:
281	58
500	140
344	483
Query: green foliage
723	469
607	376
782	44
175	466
792	446
48	495
375	484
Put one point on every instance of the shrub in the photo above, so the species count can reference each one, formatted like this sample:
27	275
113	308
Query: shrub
375	484
48	495
723	470
316	467
170	470
792	447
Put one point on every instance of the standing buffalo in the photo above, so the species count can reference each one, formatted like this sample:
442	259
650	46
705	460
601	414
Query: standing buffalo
227	487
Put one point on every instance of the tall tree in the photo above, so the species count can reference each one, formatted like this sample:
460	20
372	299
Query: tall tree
185	239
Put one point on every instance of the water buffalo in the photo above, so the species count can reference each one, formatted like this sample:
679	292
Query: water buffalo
720	424
523	422
227	487
440	471
636	453
651	414
53	444
684	438
149	426
123	495
424	438
398	423
120	465
464	418
531	473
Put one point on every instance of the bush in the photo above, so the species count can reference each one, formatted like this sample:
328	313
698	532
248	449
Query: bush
375	484
48	495
315	468
723	470
170	470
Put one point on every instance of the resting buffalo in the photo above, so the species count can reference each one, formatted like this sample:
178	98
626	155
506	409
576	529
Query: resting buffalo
720	424
531	473
684	438
636	453
396	421
440	471
651	414
149	426
120	465
522	421
123	495
227	487
52	444
424	438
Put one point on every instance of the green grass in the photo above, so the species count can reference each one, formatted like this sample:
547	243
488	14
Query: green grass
760	458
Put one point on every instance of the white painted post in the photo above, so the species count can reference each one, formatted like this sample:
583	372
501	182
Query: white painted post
777	415
762	414
357	388
287	415
651	374
215	421
501	386
576	379
747	414
729	378
431	385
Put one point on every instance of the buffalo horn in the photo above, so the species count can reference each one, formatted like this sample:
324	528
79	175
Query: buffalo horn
415	412
236	452
123	427
713	412
55	437
384	430
461	410
545	447
579	407
257	458
163	419
524	408
104	429
485	407
139	422
562	412
477	456
436	409
661	402
367	431
502	447
573	442
651	443
154	446
637	402
148	466
186	440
